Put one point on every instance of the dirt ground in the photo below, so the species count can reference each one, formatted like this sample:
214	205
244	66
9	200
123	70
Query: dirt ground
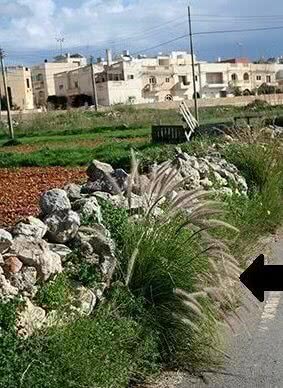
20	189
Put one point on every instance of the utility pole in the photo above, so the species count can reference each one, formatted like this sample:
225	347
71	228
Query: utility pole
10	122
0	104
193	64
94	91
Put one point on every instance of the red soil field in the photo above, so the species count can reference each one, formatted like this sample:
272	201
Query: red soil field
20	189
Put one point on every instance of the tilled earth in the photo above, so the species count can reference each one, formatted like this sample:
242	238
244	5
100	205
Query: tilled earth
20	189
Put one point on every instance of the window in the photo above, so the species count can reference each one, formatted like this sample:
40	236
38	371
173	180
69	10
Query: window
76	84
184	80
131	76
28	83
169	97
167	79
196	77
258	77
61	87
152	80
268	79
246	77
234	77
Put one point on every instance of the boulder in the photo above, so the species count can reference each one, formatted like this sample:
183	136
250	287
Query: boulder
121	178
12	265
60	249
103	249
62	226
88	207
31	318
6	240
219	180
37	254
101	178
84	300
97	171
53	201
25	280
73	191
6	288
30	228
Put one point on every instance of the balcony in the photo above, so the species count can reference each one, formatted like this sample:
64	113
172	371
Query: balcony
219	85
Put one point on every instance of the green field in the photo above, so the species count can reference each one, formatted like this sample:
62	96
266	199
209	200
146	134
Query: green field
73	138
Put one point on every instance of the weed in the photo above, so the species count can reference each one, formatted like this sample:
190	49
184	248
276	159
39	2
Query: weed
55	294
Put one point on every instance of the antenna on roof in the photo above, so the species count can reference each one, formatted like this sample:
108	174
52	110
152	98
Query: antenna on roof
60	41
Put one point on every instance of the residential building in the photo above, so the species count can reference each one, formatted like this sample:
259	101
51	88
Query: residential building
43	75
129	80
19	87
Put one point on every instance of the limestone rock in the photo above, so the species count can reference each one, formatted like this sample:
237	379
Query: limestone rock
102	177
62	226
121	178
6	288
60	249
37	254
88	207
25	280
5	240
85	301
12	265
98	170
53	201
30	228
30	319
73	191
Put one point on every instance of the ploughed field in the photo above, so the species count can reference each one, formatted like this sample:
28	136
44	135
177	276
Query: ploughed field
20	189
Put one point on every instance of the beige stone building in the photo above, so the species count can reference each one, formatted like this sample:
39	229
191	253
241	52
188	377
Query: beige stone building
19	87
129	80
43	75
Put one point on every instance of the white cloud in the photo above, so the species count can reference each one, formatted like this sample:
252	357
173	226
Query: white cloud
28	24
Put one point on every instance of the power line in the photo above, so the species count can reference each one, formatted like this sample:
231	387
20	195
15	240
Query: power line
238	30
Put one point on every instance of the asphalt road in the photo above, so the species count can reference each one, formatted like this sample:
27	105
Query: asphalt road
255	355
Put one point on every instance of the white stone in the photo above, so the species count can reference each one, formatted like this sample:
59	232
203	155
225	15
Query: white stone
54	200
31	228
30	319
37	254
62	226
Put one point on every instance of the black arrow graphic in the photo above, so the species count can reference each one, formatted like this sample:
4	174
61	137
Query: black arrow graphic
259	278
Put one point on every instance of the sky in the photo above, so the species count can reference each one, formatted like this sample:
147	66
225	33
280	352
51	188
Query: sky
29	28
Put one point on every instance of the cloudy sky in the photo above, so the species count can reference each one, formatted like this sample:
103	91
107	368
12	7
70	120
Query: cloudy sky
29	28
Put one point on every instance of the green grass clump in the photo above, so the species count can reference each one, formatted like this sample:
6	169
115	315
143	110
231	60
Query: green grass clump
167	257
55	294
115	220
104	350
261	212
82	271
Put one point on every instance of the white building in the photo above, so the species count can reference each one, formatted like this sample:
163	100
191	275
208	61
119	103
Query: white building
19	87
131	80
43	75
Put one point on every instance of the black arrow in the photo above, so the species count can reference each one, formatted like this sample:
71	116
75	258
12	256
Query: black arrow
259	278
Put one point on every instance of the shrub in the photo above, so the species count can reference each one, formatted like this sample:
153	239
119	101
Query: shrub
55	294
257	104
115	220
168	261
78	269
